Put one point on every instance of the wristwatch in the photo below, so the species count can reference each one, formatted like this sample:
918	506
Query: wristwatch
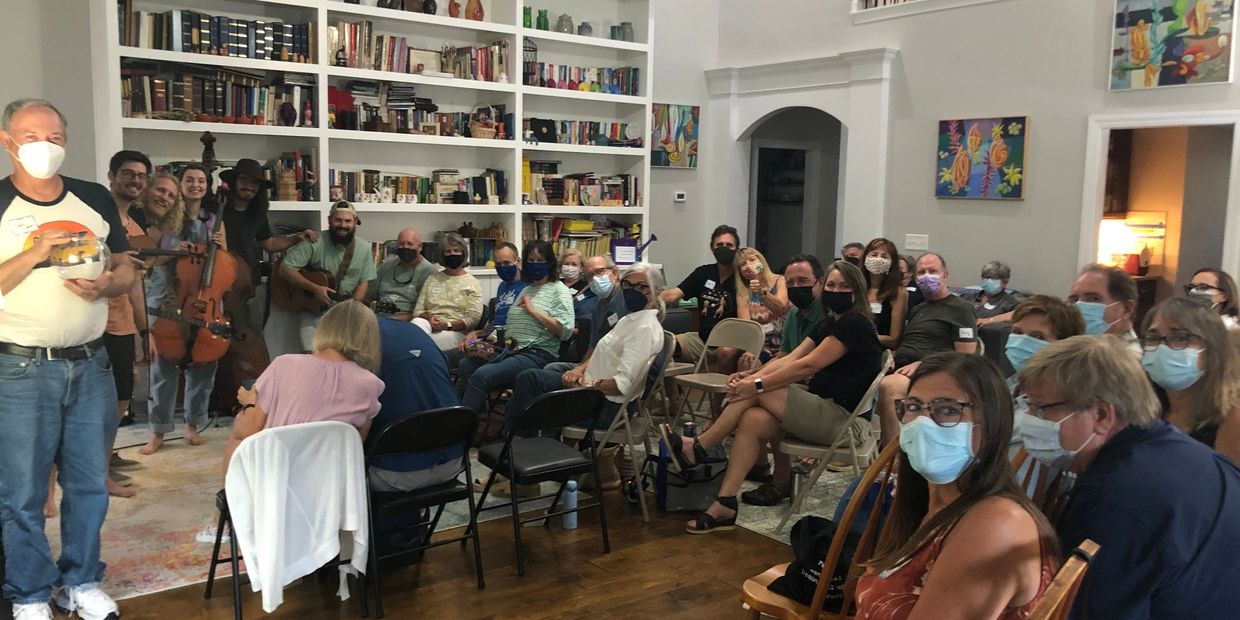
757	384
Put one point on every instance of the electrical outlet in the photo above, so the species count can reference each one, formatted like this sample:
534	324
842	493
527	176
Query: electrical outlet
680	195
917	242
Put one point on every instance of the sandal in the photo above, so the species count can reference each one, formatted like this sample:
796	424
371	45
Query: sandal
679	462
768	494
703	523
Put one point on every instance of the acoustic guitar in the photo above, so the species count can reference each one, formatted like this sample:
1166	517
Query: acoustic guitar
294	299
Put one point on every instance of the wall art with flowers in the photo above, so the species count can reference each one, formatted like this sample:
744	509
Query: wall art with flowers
982	158
1171	43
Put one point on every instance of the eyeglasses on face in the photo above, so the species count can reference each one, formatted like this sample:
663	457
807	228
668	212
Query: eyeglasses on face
130	175
640	287
946	412
600	271
1176	339
1201	287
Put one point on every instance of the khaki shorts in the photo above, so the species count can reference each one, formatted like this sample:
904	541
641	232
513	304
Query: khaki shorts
818	420
691	347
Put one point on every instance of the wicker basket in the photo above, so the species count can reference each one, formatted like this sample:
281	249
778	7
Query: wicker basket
482	125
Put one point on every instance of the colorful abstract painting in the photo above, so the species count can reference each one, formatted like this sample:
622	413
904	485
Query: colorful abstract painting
982	158
674	135
1171	43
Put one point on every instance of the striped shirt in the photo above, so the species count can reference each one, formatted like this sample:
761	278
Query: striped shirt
553	299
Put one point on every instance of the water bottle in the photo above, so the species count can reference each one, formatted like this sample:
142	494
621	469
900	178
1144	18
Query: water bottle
689	430
570	503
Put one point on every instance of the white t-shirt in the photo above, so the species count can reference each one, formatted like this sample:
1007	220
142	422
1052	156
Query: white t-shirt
41	311
620	355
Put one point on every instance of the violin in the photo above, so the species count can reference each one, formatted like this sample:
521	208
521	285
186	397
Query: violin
192	327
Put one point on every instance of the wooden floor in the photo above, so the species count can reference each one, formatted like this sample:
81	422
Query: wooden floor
653	570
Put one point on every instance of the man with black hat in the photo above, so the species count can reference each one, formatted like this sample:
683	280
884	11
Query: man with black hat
245	215
339	252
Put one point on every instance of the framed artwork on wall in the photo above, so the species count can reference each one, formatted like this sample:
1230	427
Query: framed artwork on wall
1158	43
982	158
674	135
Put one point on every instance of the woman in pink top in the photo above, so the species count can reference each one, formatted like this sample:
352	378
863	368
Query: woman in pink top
336	382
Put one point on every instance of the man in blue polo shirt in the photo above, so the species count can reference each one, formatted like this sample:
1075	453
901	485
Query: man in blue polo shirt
1163	508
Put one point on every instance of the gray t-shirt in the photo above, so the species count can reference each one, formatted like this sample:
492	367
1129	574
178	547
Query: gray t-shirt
400	286
935	326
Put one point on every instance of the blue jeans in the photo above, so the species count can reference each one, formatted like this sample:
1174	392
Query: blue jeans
531	384
62	411
479	377
199	381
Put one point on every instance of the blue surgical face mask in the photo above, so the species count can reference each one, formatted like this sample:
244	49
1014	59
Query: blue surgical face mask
507	273
1020	348
601	285
939	454
1173	369
536	271
1093	313
1041	440
991	286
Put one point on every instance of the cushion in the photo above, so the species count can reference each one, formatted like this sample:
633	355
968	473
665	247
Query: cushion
538	457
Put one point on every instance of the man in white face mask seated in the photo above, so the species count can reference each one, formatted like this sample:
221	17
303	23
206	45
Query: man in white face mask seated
1161	506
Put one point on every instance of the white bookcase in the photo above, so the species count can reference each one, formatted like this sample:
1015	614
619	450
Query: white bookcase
170	140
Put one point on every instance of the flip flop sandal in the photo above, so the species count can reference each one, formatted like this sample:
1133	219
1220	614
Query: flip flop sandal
703	523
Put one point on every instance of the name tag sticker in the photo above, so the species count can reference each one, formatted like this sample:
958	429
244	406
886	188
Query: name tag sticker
581	297
988	306
415	352
22	226
612	319
710	284
876	308
966	333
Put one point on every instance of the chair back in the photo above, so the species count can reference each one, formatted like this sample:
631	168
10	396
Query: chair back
557	409
661	362
1046	488
424	431
1057	601
877	529
733	333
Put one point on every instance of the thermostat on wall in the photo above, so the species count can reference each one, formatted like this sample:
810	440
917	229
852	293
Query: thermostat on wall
680	196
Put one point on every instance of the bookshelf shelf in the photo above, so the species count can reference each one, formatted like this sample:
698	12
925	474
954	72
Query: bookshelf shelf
371	12
587	149
564	93
141	53
410	138
155	124
575	39
398	154
415	78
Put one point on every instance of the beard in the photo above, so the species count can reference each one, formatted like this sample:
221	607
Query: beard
342	236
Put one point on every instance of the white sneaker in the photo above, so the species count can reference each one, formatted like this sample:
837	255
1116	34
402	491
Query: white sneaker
88	601
33	611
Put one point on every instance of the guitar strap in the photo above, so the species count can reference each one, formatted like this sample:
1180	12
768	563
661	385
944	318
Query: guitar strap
344	268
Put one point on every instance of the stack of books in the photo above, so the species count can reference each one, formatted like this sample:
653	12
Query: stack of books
152	90
590	237
181	30
297	167
357	46
592	132
617	81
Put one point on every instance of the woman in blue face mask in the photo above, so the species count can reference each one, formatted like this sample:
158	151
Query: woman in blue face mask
964	540
1196	371
995	303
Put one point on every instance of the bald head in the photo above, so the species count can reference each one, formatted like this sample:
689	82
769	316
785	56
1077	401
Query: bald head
409	238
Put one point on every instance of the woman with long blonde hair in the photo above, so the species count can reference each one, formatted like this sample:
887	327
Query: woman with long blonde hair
761	297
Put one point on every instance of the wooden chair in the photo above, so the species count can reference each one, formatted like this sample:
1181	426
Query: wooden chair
1046	488
739	334
761	600
845	446
1056	602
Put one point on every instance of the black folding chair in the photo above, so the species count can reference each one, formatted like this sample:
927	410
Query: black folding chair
424	432
539	459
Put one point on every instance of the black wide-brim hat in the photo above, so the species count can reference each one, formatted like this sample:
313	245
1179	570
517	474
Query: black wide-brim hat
245	168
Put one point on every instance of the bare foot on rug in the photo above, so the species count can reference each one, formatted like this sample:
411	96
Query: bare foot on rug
116	490
192	437
157	440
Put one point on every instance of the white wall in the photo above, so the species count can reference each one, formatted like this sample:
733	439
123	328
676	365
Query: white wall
21	72
1205	200
685	41
1044	58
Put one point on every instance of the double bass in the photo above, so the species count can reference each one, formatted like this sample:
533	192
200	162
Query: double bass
192	327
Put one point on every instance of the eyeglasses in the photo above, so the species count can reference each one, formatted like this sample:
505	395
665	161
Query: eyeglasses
1201	288
640	287
1176	339
600	271
1040	410
130	175
945	412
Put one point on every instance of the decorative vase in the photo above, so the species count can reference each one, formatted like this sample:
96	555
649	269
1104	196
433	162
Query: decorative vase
627	28
429	7
474	10
454	8
617	33
544	23
585	29
527	18
565	24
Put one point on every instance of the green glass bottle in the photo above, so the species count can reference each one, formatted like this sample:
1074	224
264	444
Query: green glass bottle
527	19
544	23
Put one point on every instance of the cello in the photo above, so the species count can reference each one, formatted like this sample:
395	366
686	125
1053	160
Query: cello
192	327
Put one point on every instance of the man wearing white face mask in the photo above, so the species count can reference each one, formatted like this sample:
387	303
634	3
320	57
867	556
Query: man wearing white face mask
59	395
1107	299
1161	506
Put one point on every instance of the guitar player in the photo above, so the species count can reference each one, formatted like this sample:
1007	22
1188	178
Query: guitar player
339	258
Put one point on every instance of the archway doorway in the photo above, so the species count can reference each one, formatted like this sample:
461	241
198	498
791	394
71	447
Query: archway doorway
794	184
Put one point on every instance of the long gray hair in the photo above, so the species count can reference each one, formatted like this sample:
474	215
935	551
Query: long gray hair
654	277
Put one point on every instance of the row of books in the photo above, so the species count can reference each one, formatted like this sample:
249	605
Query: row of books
292	174
181	30
585	189
581	132
566	233
874	4
383	106
149	92
444	186
617	81
357	46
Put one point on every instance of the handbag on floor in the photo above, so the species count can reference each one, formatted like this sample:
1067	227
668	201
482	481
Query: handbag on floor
811	539
692	490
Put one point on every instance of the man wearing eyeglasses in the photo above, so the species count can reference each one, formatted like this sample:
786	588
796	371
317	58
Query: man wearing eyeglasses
1161	506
